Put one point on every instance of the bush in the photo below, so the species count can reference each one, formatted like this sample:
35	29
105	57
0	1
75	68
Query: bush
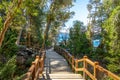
20	77
29	61
9	48
8	70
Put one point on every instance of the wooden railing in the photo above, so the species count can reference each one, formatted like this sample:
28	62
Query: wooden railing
36	68
89	68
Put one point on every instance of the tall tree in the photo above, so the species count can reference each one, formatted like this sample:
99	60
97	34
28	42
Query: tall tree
112	40
78	43
12	9
56	6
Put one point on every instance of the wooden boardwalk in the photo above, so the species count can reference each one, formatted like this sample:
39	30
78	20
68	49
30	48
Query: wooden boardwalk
57	68
52	66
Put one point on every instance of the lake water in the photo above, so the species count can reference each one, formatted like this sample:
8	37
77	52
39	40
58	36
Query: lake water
62	36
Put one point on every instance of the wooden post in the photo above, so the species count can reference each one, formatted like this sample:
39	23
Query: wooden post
59	51
66	56
95	70
37	57
84	66
38	64
42	64
73	63
76	65
40	61
33	74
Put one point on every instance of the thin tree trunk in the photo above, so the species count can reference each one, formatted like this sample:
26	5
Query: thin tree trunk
18	39
5	27
46	34
7	23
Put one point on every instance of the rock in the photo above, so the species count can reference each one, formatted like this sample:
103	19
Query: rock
20	60
33	55
20	53
29	52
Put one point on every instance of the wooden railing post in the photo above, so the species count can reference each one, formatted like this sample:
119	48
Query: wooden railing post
84	66
73	63
37	57
37	65
41	65
95	69
76	66
43	52
33	74
59	50
42	62
67	56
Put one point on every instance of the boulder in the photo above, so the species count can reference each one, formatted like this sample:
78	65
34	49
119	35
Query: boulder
20	60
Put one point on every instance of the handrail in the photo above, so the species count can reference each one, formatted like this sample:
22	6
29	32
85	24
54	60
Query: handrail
36	68
96	67
108	72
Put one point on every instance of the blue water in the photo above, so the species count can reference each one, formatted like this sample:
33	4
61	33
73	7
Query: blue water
65	36
96	43
62	36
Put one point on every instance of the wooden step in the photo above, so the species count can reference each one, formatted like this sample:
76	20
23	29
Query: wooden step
65	79
65	76
62	77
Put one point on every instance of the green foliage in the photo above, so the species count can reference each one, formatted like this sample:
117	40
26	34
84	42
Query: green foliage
58	12
32	7
9	47
1	24
8	70
33	14
20	77
38	22
112	40
78	43
22	38
29	61
106	14
96	17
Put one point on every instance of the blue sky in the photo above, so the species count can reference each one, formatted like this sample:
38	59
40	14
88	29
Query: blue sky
81	13
80	9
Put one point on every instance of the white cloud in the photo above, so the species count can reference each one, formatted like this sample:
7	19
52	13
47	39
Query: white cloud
64	29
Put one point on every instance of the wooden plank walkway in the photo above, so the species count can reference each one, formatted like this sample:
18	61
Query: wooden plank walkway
57	68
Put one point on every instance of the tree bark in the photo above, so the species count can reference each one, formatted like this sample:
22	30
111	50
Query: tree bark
7	23
19	36
5	27
46	34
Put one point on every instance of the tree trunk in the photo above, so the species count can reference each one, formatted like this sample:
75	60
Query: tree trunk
46	34
5	27
19	36
7	23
